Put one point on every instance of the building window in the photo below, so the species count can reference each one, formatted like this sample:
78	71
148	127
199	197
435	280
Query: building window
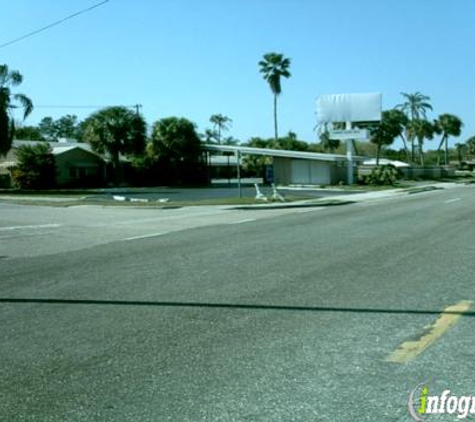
80	172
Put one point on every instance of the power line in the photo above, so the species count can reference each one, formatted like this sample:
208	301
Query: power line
88	106
78	106
30	34
137	107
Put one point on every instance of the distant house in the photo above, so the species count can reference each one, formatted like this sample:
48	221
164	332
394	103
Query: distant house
77	165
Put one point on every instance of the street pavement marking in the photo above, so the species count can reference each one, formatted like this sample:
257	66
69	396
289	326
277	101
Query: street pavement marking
309	210
154	219
144	236
247	220
37	226
449	201
409	350
22	235
369	204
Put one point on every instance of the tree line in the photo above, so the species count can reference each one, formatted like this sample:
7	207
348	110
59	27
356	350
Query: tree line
409	122
173	145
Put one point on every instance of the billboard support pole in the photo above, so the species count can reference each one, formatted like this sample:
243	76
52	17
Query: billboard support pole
349	156
349	108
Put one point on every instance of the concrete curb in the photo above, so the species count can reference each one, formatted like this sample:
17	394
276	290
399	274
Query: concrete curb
312	203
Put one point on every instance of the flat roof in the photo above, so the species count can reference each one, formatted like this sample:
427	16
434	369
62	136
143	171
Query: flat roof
316	156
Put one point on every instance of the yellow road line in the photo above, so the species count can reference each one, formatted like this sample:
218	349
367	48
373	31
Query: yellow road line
408	350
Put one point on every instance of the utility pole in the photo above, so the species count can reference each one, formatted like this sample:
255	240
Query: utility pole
349	155
137	108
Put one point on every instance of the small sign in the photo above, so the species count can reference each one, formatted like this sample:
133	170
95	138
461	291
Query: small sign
349	134
269	173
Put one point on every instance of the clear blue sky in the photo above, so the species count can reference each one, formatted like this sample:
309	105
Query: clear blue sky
195	58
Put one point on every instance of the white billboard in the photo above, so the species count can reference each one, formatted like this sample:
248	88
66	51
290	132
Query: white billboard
349	108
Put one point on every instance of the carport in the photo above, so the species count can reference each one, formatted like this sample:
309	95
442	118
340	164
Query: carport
296	167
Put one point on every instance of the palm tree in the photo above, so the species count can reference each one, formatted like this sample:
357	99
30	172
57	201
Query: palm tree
323	135
421	129
399	120
386	131
470	142
273	67
221	123
208	136
8	102
448	125
116	131
415	107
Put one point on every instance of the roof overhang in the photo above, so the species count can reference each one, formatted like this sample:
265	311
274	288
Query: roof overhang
315	156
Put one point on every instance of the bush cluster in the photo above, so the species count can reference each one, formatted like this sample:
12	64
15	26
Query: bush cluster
381	175
36	167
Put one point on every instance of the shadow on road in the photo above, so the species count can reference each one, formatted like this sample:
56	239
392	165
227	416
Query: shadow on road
234	306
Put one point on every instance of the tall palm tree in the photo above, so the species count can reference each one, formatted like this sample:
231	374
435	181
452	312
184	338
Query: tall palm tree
421	129
273	67
8	102
221	123
448	125
415	107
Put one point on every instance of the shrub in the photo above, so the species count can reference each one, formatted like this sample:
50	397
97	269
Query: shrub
5	182
381	175
36	167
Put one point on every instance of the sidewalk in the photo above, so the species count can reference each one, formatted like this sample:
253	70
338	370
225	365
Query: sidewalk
355	197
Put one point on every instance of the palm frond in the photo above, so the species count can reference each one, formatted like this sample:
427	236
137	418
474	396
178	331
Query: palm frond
3	75
15	78
4	98
416	105
25	103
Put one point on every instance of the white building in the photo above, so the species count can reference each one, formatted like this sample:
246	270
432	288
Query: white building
297	167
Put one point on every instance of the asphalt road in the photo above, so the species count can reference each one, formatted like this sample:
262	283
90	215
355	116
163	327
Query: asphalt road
208	314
